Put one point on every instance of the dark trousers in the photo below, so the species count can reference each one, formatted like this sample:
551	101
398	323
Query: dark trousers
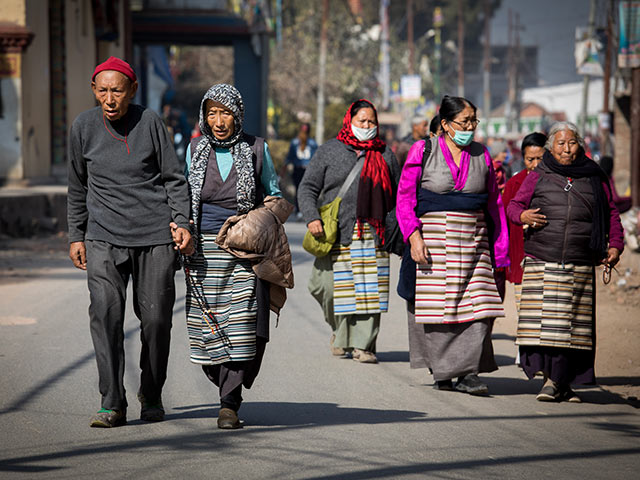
152	270
298	173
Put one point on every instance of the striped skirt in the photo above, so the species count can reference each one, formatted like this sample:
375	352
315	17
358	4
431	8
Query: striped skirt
457	284
229	286
556	308
360	276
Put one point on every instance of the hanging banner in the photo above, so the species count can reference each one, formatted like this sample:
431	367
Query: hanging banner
629	49
410	87
586	54
9	65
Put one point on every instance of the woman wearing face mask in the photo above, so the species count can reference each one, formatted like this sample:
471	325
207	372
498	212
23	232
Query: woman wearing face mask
446	275
354	320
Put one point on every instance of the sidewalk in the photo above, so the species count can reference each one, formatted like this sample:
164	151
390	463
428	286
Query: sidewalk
27	210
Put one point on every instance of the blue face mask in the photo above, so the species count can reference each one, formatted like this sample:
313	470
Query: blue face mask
462	137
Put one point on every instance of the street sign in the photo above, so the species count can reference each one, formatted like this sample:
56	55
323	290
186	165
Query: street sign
410	87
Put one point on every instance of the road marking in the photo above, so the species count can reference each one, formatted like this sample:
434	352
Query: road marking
16	320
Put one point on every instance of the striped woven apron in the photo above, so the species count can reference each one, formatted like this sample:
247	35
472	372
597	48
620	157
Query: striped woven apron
360	276
457	284
556	308
229	286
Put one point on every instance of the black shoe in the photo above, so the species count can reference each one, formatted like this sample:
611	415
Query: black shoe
228	419
549	392
472	385
445	385
151	411
568	395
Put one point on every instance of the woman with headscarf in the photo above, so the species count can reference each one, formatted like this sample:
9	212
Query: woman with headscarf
450	212
352	282
573	226
229	173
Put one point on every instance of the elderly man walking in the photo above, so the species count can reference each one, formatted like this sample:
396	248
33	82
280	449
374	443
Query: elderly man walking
125	187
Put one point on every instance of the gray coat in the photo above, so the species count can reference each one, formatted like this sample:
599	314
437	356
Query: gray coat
323	178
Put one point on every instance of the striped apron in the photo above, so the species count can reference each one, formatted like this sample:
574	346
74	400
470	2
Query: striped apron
229	286
457	284
556	308
360	276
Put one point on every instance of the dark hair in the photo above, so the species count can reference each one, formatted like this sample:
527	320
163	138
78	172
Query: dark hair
606	164
359	105
535	139
435	124
452	106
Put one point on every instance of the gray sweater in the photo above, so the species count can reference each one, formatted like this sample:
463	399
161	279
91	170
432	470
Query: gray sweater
124	198
323	178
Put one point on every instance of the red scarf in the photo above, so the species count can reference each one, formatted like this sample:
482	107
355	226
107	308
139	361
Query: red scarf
375	195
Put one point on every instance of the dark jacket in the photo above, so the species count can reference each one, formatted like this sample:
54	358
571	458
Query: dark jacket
569	212
323	178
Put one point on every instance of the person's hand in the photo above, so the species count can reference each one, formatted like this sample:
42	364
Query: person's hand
613	257
532	218
182	238
315	228
78	255
419	251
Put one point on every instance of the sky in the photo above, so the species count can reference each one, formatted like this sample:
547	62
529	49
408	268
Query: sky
551	25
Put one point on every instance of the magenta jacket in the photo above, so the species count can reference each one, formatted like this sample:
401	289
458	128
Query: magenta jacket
410	181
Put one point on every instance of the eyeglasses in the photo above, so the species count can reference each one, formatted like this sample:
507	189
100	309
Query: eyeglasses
467	123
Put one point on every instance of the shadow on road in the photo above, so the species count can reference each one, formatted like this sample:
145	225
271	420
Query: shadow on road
446	468
271	417
390	357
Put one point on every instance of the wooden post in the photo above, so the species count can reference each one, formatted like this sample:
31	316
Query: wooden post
635	137
322	73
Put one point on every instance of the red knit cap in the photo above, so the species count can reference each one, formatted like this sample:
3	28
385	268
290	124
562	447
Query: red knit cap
114	63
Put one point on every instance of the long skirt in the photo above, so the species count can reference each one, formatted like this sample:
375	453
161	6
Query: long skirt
556	322
457	299
227	286
352	286
451	351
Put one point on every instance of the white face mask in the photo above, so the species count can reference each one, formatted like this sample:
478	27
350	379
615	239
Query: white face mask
364	134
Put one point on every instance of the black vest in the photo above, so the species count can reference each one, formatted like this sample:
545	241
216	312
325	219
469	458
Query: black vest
569	211
223	193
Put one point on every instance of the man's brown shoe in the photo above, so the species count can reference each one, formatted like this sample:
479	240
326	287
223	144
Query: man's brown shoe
228	419
108	418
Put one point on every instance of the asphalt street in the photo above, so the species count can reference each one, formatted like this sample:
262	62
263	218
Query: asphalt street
309	415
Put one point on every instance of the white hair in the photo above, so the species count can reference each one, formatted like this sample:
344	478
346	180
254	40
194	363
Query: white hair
560	127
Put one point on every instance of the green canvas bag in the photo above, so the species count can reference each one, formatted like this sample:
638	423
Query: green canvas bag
321	246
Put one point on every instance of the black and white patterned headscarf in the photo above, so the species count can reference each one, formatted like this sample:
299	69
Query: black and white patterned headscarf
230	97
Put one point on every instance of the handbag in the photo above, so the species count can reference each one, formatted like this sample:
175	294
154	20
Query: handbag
321	246
393	239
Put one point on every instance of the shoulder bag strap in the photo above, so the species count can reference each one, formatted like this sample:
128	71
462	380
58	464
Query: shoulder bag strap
569	188
426	152
355	171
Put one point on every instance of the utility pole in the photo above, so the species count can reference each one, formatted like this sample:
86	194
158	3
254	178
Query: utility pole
322	73
586	78
385	75
486	74
437	25
509	106
410	35
512	110
460	49
604	132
